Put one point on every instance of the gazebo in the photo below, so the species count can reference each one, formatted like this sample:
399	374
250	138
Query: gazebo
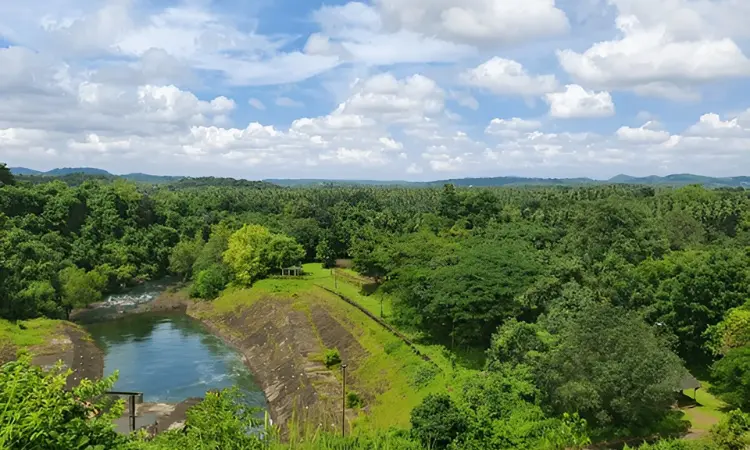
293	271
689	382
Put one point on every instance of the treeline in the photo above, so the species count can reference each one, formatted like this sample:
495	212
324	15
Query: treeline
586	300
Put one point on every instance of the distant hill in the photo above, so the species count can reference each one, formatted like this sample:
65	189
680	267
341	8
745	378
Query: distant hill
79	174
71	170
683	179
150	179
23	171
324	182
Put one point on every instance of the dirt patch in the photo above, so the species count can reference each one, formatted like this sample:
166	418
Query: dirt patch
283	346
77	352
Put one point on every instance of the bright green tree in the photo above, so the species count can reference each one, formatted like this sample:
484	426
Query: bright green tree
244	254
184	255
79	288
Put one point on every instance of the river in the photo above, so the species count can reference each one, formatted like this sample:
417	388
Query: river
168	356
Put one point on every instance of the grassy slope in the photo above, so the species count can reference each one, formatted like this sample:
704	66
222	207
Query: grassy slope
36	334
390	367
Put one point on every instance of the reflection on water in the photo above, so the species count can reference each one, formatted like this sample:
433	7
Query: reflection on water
170	357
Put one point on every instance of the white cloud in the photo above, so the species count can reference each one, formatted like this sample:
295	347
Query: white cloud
479	22
650	132
257	104
655	59
190	33
414	169
287	102
711	125
355	32
511	127
577	102
507	77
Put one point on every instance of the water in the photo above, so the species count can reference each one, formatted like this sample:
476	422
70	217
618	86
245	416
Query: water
170	357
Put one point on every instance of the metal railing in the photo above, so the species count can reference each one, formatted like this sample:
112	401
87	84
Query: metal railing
132	397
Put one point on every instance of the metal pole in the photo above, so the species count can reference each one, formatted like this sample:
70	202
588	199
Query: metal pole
132	413
343	403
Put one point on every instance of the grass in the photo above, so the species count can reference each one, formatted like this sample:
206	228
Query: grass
392	378
28	333
708	410
466	358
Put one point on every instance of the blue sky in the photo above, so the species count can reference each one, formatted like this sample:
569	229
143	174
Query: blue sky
386	89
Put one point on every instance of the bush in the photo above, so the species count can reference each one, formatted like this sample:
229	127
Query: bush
353	400
331	358
37	412
437	421
209	282
392	346
424	374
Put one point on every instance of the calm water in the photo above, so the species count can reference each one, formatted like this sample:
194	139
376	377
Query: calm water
170	357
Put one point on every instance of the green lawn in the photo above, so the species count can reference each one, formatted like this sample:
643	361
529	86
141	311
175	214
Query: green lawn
708	411
28	333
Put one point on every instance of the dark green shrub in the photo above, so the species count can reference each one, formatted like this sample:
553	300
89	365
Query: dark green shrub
209	282
331	358
437	421
353	400
424	374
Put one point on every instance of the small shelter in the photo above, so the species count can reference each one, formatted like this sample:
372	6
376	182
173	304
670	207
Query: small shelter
689	382
293	271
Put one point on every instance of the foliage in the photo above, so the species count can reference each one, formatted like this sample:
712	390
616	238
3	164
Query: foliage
731	376
184	255
37	412
6	178
331	358
611	368
353	400
79	288
517	343
209	282
732	432
730	333
221	421
437	421
253	251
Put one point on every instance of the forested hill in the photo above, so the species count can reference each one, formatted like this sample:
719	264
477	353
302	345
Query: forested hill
669	180
74	176
580	306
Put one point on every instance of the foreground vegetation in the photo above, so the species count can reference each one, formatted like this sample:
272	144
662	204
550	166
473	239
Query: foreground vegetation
587	303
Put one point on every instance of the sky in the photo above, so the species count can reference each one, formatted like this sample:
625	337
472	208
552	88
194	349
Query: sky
386	89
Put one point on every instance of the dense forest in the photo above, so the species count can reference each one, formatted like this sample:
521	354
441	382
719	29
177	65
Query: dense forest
588	302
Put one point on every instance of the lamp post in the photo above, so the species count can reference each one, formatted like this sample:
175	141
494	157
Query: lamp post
343	402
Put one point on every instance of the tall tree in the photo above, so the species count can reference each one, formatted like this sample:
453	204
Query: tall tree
6	177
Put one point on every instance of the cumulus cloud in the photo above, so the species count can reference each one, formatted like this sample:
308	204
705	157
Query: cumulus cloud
189	33
355	32
478	22
120	84
663	58
577	102
511	127
507	77
650	132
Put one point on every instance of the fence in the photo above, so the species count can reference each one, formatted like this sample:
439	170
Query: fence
382	323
